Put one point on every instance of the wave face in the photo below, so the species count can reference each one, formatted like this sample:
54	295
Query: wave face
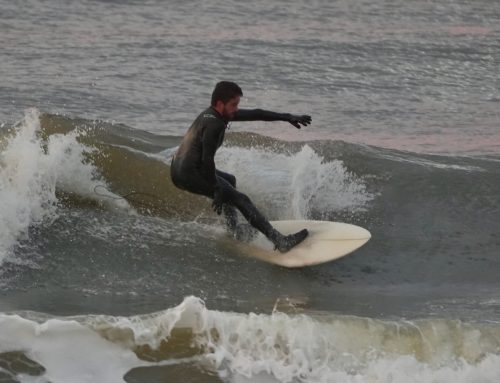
52	165
394	194
191	340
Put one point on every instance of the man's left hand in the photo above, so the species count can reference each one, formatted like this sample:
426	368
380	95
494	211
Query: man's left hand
297	121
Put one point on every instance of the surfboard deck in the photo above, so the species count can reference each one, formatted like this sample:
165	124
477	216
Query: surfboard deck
326	242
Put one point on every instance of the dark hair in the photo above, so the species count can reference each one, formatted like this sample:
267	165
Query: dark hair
225	91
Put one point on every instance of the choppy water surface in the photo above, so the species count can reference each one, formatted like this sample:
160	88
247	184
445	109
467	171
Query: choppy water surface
95	98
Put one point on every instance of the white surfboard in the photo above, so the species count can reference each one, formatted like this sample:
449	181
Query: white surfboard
326	242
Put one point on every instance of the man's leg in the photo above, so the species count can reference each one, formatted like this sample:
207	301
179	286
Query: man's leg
229	210
234	198
257	220
196	183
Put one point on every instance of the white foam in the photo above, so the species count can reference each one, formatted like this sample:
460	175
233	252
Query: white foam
293	186
348	350
69	351
27	193
31	168
263	348
151	329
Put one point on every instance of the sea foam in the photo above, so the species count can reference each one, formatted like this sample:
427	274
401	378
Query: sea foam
275	347
294	186
32	168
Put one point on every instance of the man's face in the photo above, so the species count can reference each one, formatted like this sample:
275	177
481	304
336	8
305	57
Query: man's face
230	108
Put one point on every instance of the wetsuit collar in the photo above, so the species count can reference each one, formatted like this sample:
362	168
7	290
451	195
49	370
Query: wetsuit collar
218	115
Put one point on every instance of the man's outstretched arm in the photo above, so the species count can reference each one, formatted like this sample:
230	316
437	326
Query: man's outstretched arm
266	115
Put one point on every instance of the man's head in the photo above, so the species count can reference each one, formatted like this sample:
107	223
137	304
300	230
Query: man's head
226	97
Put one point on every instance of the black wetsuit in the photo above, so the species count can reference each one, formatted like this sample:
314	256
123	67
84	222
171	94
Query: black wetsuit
193	167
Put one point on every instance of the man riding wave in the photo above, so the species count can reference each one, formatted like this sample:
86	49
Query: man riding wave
193	165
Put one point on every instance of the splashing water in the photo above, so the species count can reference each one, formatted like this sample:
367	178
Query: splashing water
31	169
258	348
294	186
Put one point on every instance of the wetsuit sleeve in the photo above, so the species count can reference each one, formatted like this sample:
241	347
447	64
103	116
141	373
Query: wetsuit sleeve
259	115
210	140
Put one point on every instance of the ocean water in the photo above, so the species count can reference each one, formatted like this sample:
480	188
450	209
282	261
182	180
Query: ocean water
108	273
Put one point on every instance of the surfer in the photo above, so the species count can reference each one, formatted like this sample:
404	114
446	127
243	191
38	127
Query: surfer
193	167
